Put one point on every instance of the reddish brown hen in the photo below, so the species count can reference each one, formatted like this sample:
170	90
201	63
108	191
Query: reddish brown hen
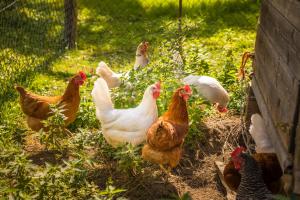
166	136
36	107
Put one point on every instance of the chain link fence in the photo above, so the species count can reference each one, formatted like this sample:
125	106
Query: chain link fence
32	34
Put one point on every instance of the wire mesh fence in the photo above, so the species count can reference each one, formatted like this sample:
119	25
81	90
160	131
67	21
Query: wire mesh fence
31	35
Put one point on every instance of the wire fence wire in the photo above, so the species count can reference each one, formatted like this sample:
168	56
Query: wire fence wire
31	35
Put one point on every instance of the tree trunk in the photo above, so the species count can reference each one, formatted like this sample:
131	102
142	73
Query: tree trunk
70	23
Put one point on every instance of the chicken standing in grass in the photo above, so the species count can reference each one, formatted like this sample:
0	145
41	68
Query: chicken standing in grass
166	136
120	126
264	156
210	89
37	108
112	79
141	55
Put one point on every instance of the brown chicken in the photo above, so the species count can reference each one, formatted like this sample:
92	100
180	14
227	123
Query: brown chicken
37	109
271	172
166	136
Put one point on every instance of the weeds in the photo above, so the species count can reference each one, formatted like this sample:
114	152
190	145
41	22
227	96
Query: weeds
54	134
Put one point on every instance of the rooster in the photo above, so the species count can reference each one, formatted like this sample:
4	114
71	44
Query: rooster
210	89
112	79
141	55
166	136
252	185
37	108
264	156
120	126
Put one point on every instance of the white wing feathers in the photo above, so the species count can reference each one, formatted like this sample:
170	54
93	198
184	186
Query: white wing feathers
260	135
209	88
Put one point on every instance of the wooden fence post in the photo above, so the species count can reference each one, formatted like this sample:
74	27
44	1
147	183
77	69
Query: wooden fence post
70	32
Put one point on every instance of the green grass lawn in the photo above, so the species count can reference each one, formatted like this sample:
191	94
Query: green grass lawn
215	33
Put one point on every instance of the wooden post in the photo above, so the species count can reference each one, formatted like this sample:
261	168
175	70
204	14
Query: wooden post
251	107
179	17
70	32
180	37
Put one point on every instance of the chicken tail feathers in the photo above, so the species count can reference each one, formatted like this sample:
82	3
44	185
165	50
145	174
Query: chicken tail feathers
260	136
101	66
101	95
20	89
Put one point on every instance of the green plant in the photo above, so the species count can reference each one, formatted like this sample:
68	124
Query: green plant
54	133
129	158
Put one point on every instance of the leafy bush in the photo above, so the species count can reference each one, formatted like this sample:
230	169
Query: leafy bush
129	158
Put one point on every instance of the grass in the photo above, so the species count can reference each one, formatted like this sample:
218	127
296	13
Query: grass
215	33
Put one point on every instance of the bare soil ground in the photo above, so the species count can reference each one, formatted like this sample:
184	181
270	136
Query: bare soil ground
196	173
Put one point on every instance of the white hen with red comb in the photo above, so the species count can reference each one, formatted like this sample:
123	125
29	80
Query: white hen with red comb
210	89
121	126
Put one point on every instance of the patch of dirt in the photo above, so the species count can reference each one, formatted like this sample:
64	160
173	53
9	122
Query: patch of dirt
195	174
37	153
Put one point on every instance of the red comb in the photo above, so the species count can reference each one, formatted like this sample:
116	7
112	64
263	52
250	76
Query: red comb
187	88
237	151
158	85
82	75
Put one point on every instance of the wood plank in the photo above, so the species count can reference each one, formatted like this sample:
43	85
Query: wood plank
280	87
296	170
274	20
284	157
270	97
289	9
273	64
231	195
283	37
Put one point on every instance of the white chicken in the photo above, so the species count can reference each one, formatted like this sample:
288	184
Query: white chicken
141	55
112	79
210	89
121	126
260	135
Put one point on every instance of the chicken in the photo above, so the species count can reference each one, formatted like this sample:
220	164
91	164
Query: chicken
120	126
265	157
141	55
210	89
252	185
112	79
37	108
260	135
166	136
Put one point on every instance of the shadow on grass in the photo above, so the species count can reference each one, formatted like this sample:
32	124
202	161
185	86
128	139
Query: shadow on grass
119	25
31	39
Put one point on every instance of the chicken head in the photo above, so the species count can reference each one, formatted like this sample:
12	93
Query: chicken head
185	92
156	90
236	157
79	78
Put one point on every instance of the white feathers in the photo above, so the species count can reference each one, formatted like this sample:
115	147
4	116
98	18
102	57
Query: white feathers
259	135
121	126
209	88
112	78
